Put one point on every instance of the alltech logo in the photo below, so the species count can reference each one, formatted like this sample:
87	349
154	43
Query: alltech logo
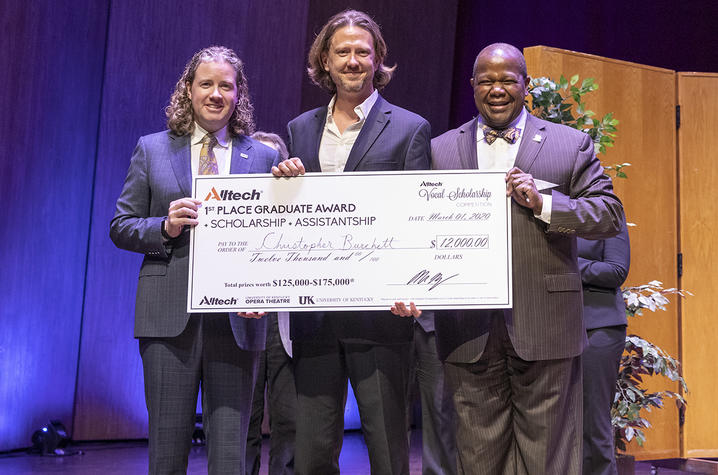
230	195
218	301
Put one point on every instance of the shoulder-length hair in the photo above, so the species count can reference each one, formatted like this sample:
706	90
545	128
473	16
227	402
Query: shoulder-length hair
180	119
320	76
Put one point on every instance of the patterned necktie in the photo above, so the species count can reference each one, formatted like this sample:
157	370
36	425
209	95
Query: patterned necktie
510	134
207	160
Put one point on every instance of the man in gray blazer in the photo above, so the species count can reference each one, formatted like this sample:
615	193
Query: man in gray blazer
357	131
209	118
516	374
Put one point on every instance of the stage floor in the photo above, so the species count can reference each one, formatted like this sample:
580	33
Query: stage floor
130	458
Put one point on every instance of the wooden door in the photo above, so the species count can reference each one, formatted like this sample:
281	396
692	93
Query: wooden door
642	98
697	160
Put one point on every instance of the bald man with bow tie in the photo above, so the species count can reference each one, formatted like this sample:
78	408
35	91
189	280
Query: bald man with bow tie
515	374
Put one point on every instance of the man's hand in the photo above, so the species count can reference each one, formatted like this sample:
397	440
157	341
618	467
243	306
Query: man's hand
399	308
182	212
521	187
289	167
251	314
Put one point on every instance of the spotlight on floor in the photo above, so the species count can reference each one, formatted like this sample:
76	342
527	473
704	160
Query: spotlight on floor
198	436
51	439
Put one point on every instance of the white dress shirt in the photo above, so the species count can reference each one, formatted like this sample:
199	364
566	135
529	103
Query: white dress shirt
501	156
222	151
335	147
334	150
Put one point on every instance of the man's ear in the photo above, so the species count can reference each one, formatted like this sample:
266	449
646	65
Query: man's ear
188	87
324	61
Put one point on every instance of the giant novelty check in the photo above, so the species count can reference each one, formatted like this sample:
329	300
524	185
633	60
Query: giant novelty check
351	241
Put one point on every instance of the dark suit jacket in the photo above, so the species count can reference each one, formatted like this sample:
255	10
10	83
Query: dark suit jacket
546	321
604	266
160	172
392	138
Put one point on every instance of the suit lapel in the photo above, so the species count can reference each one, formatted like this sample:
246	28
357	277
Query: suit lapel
242	156
375	123
534	137
316	129
181	160
466	143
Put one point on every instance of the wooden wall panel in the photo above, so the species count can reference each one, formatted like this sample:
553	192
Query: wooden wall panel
642	98
51	75
149	43
697	158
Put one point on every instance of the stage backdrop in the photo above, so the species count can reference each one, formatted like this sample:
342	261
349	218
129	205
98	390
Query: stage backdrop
50	87
80	85
142	62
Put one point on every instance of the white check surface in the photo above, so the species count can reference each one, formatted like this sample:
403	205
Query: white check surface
351	241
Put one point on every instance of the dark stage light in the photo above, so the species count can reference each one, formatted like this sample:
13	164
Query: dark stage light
52	439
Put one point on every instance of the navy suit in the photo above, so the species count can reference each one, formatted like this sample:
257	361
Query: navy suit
604	266
178	349
371	349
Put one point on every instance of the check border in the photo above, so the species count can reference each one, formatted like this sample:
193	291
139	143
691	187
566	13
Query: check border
353	306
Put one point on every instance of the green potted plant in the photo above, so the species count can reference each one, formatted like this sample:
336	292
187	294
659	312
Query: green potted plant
643	358
562	102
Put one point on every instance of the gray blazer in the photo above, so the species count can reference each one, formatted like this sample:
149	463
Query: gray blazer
546	319
392	138
160	172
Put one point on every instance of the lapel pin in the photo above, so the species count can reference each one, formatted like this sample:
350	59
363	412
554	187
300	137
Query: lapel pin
537	138
243	155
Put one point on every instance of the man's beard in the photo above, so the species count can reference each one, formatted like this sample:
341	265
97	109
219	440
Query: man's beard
352	85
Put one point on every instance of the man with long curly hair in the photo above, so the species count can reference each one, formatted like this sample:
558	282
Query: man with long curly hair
357	131
209	120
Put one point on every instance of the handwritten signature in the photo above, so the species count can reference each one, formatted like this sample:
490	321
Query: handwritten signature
424	277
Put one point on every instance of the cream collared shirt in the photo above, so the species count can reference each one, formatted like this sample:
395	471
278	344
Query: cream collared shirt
335	147
222	151
501	156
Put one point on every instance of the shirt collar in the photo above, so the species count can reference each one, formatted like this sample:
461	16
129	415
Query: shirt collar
519	122
222	135
362	110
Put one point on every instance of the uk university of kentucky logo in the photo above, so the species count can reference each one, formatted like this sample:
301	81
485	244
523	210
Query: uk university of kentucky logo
306	300
231	195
